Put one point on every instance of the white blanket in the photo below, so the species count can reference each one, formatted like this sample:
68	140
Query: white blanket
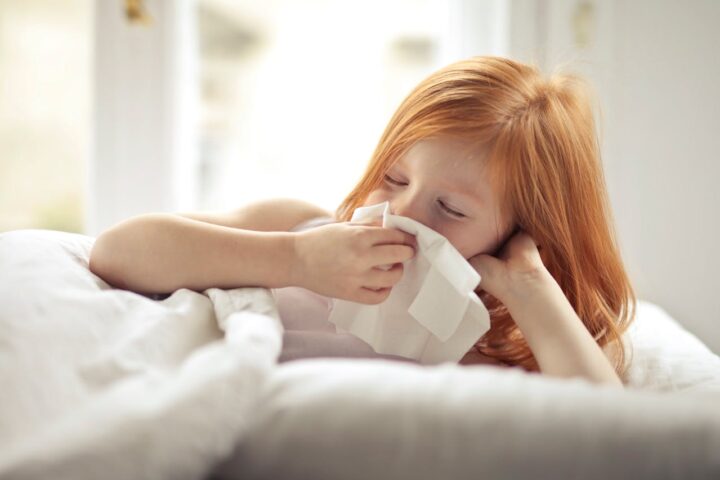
104	383
101	383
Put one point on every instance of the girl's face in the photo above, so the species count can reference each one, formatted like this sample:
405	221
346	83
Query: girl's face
441	185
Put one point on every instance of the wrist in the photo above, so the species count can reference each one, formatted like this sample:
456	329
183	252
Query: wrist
528	289
279	272
294	273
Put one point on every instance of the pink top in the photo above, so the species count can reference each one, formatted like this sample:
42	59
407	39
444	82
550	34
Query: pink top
308	333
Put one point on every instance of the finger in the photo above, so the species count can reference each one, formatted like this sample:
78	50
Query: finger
522	244
387	254
380	278
384	236
488	267
372	296
367	221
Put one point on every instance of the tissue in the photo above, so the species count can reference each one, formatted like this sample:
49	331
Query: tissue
433	314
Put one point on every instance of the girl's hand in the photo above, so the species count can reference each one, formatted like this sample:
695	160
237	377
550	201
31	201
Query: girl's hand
348	260
516	272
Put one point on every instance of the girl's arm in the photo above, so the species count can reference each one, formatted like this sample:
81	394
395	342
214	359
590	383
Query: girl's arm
162	252
561	343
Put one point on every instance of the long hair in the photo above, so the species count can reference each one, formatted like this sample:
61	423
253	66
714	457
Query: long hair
546	169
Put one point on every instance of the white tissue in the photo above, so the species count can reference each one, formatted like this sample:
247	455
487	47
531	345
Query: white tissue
433	314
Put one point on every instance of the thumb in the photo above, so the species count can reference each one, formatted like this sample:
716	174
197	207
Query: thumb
377	221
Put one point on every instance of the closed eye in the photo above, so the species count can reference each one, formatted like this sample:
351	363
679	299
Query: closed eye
392	181
450	210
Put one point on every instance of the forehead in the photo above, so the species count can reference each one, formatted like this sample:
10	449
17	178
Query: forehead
455	164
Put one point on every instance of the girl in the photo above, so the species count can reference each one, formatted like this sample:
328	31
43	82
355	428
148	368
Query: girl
487	152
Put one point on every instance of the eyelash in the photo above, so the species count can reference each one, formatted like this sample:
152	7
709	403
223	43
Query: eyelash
452	212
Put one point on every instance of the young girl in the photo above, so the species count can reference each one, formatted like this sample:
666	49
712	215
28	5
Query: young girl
501	161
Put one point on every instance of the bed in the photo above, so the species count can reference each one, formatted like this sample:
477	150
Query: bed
98	382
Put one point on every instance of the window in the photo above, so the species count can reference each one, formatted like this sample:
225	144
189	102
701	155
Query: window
296	93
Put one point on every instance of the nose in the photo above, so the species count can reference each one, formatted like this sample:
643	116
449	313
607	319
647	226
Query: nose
397	207
406	205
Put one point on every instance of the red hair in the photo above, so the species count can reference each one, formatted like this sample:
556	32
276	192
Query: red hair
545	160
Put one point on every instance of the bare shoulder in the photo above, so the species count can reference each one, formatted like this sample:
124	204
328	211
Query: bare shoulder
269	215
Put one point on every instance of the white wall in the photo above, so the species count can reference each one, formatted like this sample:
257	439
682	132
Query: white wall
664	143
656	69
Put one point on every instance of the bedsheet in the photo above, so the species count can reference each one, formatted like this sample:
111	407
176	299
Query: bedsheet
105	383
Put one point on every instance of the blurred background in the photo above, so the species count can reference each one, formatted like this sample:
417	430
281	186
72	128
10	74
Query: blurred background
112	108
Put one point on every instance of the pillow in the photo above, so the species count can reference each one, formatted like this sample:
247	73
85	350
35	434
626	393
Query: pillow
665	357
360	419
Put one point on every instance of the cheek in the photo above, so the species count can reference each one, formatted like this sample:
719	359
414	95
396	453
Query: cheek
461	244
375	197
471	241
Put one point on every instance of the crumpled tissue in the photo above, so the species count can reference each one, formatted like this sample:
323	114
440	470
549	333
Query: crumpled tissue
433	314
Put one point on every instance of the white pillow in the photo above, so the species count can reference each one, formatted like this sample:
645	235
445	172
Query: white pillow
358	419
361	419
665	357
